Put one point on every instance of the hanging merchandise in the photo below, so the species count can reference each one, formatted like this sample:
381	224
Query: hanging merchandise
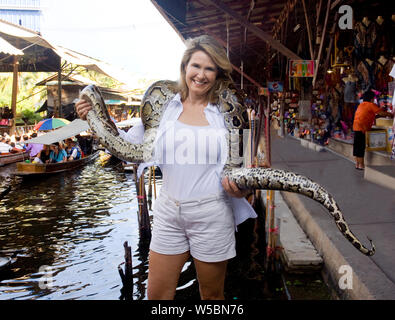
364	38
319	129
291	111
275	114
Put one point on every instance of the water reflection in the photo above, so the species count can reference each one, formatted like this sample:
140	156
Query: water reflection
68	232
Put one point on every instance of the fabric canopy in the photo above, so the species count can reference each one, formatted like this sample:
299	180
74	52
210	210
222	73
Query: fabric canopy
71	130
75	127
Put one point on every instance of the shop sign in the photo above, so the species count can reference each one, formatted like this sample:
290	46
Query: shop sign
263	91
275	86
301	68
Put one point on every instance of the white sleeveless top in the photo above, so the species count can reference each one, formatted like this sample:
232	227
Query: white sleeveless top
241	208
189	162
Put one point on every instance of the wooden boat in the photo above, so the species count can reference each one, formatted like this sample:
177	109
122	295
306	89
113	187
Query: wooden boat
6	262
13	157
37	169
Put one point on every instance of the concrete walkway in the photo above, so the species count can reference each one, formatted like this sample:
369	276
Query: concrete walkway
368	208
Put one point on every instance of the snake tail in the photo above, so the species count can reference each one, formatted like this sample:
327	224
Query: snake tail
282	180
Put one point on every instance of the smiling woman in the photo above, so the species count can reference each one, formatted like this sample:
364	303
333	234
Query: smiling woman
197	211
200	74
200	62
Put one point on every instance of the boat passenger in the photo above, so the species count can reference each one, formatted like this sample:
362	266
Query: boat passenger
196	211
72	149
33	148
57	153
6	148
14	148
44	155
85	143
18	143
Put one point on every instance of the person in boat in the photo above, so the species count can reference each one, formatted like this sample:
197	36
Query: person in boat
18	143
43	155
6	148
196	212
57	154
25	138
72	149
33	148
14	148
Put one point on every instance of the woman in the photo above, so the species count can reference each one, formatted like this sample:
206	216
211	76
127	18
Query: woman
44	155
193	216
57	153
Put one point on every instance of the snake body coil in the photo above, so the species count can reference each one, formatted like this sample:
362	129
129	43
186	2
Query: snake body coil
235	115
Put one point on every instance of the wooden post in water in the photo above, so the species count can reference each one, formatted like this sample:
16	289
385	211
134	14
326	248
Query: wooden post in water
14	94
149	198
127	276
144	222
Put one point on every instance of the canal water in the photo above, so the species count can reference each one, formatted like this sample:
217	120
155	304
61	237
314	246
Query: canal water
67	233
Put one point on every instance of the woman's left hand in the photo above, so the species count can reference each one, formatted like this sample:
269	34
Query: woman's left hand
232	189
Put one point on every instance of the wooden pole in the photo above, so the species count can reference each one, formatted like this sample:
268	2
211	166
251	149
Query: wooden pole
127	276
153	173
145	225
149	198
128	263
322	42
308	30
318	13
59	112
268	144
14	94
275	44
332	32
227	36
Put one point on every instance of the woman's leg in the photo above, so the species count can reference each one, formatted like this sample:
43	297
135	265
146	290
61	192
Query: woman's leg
163	273
211	277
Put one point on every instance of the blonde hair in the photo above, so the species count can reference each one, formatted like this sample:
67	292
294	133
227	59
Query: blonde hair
217	53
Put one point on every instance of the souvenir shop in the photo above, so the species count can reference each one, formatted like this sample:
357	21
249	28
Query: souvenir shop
359	59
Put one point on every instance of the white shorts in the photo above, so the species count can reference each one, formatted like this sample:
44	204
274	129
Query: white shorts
205	227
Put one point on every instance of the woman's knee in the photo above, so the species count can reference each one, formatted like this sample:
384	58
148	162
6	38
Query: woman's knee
163	274
211	278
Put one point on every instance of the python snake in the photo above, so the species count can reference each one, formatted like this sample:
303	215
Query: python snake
235	115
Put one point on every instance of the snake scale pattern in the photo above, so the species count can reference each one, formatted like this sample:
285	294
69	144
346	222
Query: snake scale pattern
235	115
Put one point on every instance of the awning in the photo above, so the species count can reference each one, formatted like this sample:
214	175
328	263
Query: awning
27	40
71	130
7	48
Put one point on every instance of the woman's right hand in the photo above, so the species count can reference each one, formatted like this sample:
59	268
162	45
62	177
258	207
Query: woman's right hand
82	108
